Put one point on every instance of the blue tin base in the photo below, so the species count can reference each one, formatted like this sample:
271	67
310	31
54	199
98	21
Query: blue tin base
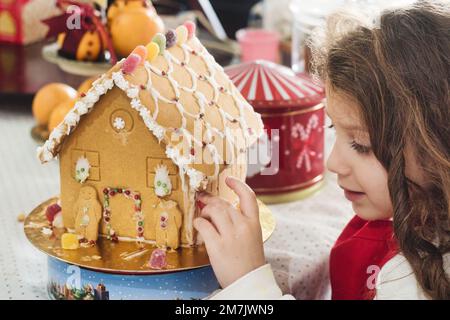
70	282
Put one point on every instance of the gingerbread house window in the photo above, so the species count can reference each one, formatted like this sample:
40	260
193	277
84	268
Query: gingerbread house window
122	121
94	161
153	163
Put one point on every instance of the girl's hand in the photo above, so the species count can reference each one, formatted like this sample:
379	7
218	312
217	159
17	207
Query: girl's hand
233	238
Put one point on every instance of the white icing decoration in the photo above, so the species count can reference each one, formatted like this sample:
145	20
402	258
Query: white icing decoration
57	133
82	169
162	184
81	107
100	90
195	178
133	92
72	118
91	97
47	231
119	80
119	123
135	104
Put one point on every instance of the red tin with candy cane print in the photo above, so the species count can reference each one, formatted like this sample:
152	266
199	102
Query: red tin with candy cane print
290	156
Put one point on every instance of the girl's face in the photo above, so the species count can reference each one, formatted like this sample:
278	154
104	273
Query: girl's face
360	174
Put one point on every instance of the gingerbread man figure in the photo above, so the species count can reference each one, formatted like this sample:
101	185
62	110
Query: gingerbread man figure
88	212
168	224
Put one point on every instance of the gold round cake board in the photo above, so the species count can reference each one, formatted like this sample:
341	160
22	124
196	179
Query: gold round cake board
124	257
293	195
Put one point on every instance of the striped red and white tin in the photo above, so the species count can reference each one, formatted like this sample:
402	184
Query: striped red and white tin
266	84
292	110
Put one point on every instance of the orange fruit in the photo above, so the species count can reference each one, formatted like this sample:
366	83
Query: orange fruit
59	113
133	27
48	97
60	39
86	85
90	47
120	5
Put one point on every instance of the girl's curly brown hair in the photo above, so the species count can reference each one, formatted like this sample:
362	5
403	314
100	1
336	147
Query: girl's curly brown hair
397	68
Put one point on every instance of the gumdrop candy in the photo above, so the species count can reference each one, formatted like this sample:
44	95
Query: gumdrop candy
190	26
69	241
158	259
171	38
200	204
182	34
130	63
160	40
153	51
58	221
52	211
142	52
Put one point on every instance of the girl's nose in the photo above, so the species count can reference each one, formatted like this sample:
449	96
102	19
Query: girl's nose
336	163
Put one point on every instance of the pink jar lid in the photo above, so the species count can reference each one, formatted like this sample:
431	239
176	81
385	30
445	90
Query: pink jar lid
269	85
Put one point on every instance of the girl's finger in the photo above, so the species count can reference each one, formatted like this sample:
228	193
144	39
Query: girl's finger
205	198
218	214
207	231
247	198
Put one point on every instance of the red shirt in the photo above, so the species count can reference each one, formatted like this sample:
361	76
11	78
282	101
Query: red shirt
357	256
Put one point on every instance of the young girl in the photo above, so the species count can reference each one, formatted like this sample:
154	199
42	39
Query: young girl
388	96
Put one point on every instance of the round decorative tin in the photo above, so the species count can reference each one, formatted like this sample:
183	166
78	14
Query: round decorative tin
71	282
121	270
287	163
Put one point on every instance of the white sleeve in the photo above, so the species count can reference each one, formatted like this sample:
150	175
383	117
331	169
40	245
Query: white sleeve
258	284
396	281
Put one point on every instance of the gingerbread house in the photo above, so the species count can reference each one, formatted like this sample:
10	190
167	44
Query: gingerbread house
150	133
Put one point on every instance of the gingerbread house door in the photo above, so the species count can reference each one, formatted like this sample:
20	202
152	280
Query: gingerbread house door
122	213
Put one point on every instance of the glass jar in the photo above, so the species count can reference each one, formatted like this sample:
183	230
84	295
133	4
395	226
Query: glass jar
309	14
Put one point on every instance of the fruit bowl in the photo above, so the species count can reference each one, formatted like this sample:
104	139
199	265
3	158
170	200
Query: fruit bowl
79	68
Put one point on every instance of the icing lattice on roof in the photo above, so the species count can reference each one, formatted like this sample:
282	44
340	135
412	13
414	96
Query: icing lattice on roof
184	78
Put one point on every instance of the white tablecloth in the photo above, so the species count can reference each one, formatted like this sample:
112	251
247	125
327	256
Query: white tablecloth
298	250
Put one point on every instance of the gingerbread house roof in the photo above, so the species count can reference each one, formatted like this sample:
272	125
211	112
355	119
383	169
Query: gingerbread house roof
186	101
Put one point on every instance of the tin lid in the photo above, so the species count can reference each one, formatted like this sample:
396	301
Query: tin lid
268	85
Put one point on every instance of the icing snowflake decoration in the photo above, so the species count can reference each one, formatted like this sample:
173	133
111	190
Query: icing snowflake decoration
119	123
82	170
163	186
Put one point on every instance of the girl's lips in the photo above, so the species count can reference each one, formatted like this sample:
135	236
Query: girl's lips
353	195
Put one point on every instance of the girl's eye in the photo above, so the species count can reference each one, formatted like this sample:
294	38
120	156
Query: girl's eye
330	126
359	148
